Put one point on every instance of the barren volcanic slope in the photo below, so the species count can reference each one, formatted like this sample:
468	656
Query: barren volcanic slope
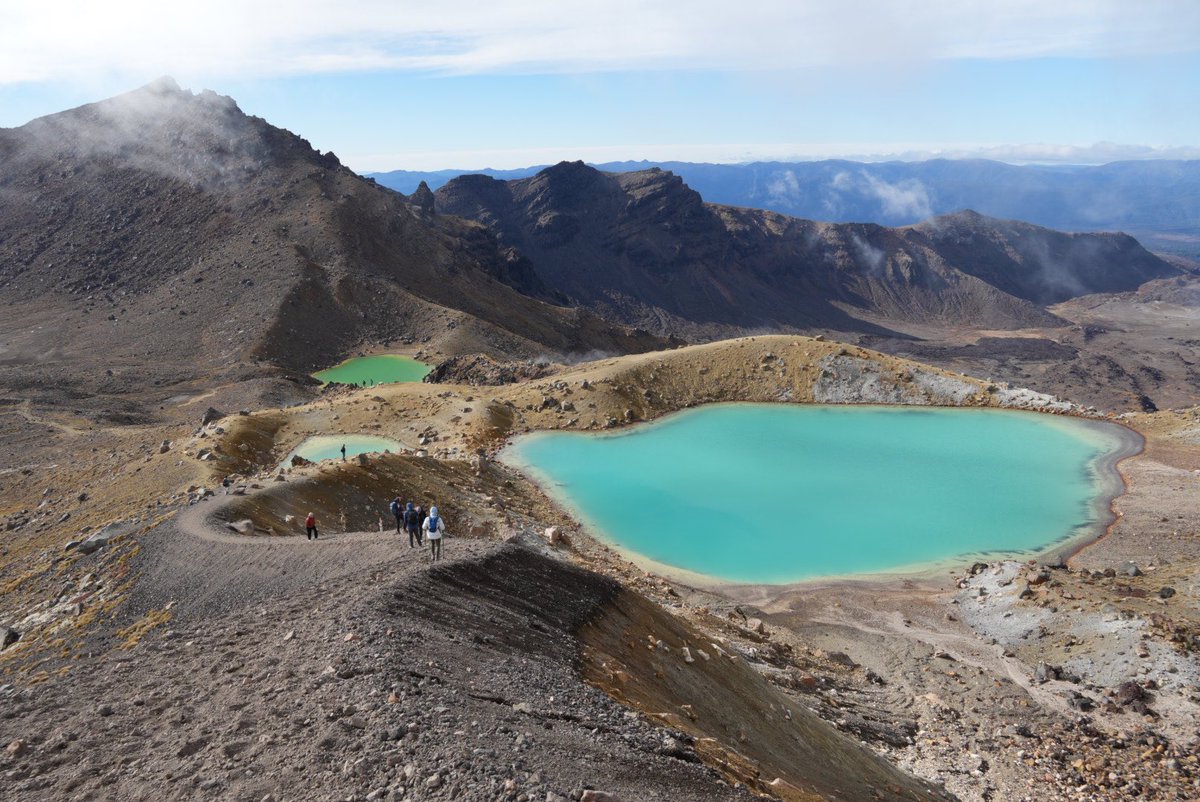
161	236
643	248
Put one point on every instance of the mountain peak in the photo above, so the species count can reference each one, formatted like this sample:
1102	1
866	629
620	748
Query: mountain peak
565	173
203	139
162	85
569	168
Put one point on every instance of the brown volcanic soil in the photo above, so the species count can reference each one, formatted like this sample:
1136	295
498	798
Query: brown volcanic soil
938	678
352	682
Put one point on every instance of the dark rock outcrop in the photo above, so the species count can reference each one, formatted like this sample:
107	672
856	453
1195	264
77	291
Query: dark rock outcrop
481	369
423	198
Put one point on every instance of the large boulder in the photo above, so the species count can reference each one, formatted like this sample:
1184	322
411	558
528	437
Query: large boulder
1037	576
481	369
100	539
555	536
243	527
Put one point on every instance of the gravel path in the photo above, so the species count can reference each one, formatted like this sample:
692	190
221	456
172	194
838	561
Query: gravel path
202	568
340	669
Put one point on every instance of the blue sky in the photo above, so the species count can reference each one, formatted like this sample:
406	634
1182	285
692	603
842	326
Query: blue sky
406	85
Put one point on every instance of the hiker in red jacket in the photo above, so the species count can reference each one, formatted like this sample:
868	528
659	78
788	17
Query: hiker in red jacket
310	525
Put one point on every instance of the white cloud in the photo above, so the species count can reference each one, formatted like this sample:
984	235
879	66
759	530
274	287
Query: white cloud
869	256
904	200
907	198
842	181
78	40
783	186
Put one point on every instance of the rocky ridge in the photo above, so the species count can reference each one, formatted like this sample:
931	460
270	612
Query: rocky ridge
642	247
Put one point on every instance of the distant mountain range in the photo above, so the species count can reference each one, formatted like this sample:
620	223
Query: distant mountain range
643	248
164	239
1157	201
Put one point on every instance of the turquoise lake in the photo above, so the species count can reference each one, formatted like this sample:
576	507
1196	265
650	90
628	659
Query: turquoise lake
379	369
329	446
773	493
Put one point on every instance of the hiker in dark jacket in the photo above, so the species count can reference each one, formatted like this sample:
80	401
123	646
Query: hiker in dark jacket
397	510
412	522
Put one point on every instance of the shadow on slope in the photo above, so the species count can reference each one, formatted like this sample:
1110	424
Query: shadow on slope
528	604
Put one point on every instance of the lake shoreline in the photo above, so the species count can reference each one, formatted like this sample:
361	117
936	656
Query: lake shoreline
1116	442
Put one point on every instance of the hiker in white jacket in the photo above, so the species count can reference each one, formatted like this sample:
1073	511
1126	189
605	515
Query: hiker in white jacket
434	527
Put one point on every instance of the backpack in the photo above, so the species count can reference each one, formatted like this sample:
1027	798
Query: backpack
433	523
394	507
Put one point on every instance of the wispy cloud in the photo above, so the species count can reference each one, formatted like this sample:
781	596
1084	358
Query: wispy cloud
907	198
899	201
75	40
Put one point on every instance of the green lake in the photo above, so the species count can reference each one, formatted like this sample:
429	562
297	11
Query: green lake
379	369
775	493
329	446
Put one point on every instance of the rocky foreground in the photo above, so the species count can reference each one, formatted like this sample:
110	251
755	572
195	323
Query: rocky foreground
352	689
152	652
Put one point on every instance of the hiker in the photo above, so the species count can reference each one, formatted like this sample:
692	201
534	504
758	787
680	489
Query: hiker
412	522
436	527
225	483
397	511
310	526
343	452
